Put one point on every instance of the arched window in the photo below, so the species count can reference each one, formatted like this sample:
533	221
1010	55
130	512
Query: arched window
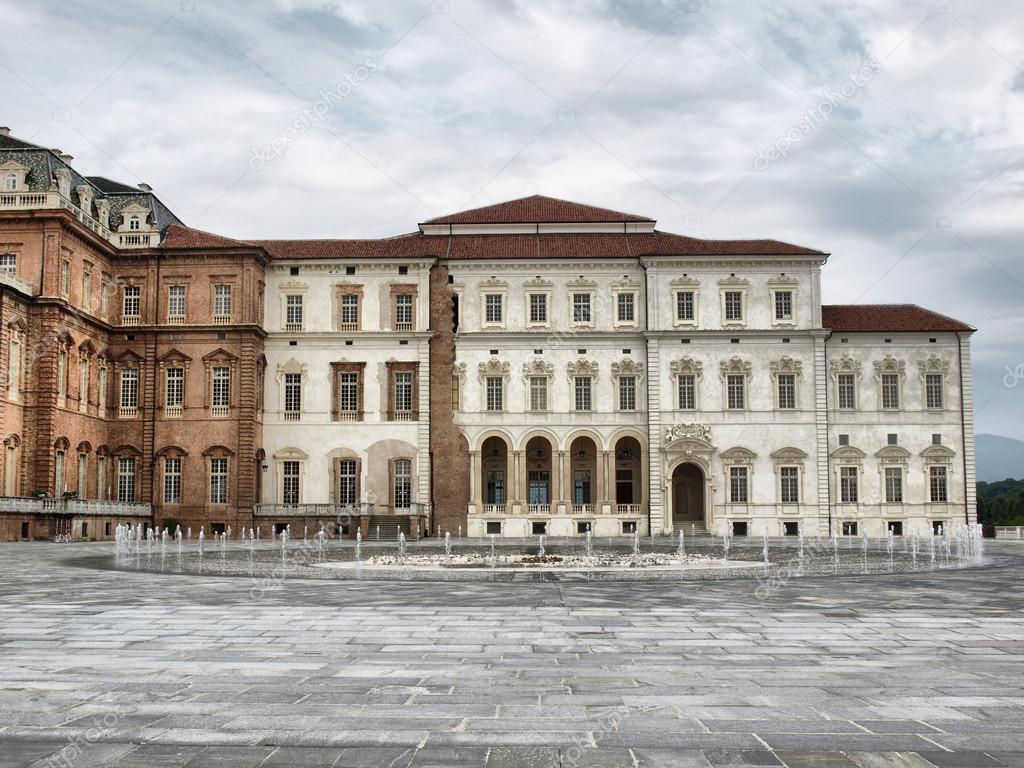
134	223
11	182
402	492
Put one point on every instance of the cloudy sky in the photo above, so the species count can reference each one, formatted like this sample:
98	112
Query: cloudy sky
889	134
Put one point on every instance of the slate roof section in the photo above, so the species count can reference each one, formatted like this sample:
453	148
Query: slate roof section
887	317
537	209
111	187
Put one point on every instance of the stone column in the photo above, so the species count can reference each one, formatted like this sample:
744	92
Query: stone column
563	485
516	489
474	481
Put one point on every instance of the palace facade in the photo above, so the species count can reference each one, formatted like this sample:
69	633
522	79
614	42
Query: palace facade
536	366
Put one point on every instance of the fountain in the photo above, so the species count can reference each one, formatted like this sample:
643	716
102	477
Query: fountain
589	544
493	558
447	544
460	531
681	551
636	547
378	533
202	538
865	551
726	545
889	548
401	546
540	548
764	550
359	545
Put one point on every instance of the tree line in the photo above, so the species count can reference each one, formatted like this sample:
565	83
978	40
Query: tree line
1001	503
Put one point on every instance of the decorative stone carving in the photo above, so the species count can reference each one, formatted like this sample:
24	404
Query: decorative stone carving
538	366
627	367
846	364
689	431
786	364
582	368
890	364
735	366
687	365
494	367
933	364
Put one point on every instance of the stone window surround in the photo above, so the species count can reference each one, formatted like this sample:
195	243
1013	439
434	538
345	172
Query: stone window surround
539	288
173	452
933	365
733	284
291	366
494	368
493	287
537	367
847	456
588	369
685	284
288	454
20	174
407	289
846	365
220	358
16	338
290	288
393	367
686	366
172	359
345	455
625	286
231	281
736	366
782	283
348	289
738	457
178	281
938	456
582	286
889	457
337	369
786	365
628	367
789	457
392	476
891	366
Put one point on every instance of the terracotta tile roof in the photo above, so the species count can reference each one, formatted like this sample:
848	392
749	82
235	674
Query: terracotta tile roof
887	317
412	245
180	236
536	209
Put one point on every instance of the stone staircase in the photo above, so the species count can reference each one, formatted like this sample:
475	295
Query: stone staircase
690	527
390	526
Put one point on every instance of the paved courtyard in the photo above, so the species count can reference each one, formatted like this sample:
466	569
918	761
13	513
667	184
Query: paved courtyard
105	668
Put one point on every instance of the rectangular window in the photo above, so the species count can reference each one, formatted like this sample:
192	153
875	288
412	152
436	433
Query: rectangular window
176	303
456	393
734	305
403	484
65	277
581	308
172	481
131	301
846	385
348	394
538	393
495	393
289	482
129	391
219	481
789	478
582	386
627	307
14	370
221	303
787	391
62	374
9	263
292	396
293	312
87	291
783	305
347	482
493	306
687	392
849	529
126	479
101	385
848	485
933	390
627	393
104	298
58	474
890	390
174	390
350	312
220	395
403	392
738	491
938	490
538	308
101	478
893	485
737	395
403	312
495	488
684	306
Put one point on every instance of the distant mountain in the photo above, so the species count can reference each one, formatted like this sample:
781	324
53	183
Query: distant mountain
999	458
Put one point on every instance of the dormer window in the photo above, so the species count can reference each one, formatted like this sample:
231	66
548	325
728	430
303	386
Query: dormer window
11	182
134	223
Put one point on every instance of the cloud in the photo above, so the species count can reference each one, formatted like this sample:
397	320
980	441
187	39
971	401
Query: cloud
656	107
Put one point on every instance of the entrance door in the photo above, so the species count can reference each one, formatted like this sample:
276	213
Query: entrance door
687	494
539	483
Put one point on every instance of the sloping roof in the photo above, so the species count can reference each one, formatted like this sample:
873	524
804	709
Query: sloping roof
887	317
10	142
108	186
536	209
402	246
180	236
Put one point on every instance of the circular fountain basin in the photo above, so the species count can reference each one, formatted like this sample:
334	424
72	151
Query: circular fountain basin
526	563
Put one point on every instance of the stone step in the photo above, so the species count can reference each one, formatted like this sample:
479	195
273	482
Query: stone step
389	526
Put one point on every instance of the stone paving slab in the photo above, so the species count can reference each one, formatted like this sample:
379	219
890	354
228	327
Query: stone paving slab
921	670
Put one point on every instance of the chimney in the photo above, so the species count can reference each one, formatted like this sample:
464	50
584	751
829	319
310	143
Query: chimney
145	187
4	130
66	157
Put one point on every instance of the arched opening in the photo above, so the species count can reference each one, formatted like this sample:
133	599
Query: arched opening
583	473
687	494
628	479
538	474
494	469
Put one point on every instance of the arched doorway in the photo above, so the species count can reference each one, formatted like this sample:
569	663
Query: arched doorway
628	480
687	495
538	474
494	474
583	474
